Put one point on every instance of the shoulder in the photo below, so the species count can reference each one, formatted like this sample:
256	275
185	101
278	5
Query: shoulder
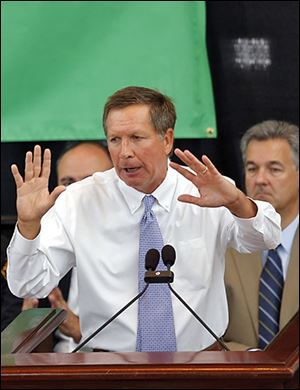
98	181
95	188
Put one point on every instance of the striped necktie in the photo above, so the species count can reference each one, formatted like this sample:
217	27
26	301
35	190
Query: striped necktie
155	313
270	293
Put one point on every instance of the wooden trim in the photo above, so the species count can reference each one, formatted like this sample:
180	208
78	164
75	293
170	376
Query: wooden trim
275	368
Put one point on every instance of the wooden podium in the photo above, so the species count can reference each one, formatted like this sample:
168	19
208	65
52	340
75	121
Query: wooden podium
275	368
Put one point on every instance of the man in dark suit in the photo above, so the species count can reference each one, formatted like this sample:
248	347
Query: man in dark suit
10	304
270	152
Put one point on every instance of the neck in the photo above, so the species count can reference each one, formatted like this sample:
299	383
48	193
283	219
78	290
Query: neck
287	216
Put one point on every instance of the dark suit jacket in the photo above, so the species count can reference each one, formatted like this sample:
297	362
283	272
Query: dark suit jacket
242	272
10	304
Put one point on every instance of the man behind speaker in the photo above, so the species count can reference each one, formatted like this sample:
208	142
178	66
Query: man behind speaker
96	223
270	152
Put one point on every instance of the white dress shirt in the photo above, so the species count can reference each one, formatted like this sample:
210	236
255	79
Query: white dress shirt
94	225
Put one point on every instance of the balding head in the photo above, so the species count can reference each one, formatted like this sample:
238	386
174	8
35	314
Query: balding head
82	161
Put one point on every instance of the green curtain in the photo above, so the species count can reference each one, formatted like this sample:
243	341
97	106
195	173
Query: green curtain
62	59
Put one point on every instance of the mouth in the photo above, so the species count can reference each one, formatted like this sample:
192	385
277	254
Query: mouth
131	170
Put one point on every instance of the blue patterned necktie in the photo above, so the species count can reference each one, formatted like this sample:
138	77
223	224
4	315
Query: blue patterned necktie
270	293
155	314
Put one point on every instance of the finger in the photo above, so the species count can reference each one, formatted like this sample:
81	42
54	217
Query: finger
194	163
17	177
37	160
191	160
46	168
35	302
56	299
28	166
187	157
30	303
180	154
56	192
190	199
184	171
56	292
209	164
55	302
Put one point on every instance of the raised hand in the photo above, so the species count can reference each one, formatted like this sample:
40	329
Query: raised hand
214	189
33	197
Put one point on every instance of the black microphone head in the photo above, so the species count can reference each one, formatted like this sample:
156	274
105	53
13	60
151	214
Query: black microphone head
168	255
151	259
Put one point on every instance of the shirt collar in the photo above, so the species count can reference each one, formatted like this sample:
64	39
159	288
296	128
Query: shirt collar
164	193
287	235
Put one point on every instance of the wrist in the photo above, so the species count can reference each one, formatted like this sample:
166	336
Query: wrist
29	230
243	207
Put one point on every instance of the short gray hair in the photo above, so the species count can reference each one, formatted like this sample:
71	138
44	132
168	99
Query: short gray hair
272	129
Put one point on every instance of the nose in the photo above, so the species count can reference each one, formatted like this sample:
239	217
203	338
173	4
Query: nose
126	149
261	176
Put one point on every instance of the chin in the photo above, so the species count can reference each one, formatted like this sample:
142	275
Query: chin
266	198
132	182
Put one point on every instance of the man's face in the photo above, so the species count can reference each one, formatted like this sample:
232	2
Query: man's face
271	174
138	153
81	162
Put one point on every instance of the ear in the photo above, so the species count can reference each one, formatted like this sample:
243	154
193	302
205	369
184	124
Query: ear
169	140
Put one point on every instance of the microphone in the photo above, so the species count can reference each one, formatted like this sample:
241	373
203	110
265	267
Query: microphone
169	255
152	276
151	261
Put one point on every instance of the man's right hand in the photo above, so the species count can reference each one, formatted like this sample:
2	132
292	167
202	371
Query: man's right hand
33	197
70	326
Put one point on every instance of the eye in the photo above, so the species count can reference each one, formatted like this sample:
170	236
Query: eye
67	181
275	170
113	140
251	170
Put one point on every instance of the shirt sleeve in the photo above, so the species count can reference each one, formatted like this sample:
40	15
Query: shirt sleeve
36	266
258	233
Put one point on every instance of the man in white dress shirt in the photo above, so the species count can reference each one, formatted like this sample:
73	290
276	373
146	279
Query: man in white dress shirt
76	162
94	224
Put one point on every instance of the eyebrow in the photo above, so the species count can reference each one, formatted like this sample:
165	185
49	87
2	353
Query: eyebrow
268	162
272	162
67	178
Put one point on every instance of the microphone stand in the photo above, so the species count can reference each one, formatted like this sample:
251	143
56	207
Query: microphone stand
199	319
111	319
154	277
